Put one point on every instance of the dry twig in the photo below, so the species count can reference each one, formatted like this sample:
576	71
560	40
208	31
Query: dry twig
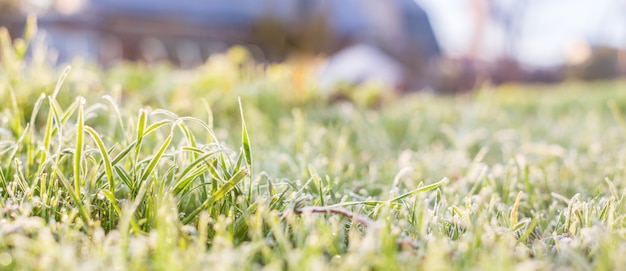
403	241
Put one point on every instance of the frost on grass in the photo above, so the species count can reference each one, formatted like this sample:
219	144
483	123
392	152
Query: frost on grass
533	179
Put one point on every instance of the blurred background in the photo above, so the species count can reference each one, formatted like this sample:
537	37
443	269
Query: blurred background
444	46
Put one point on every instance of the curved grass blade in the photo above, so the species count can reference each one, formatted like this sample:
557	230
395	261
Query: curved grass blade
187	181
124	153
155	126
205	126
393	200
219	194
108	167
157	157
60	81
419	190
184	182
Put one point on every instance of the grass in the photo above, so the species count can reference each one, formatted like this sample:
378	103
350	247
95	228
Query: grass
239	166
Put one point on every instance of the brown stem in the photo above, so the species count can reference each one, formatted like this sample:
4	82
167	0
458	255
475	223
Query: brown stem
336	210
402	240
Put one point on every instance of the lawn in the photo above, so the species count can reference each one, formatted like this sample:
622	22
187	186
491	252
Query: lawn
242	166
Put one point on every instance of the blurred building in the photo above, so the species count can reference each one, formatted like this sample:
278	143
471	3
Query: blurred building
391	41
275	27
187	31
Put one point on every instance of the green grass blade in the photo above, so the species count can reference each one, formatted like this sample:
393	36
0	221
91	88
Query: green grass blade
219	194
78	153
529	230
141	125
183	182
46	142
123	154
116	109
419	190
157	157
108	167
111	197
245	141
60	81
125	177
31	137
82	208
155	126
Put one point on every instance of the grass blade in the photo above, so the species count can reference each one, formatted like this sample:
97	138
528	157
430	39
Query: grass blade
219	194
157	157
46	142
140	131
184	182
245	141
60	81
419	190
78	153
108	167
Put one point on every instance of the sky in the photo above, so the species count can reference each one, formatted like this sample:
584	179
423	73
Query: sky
548	28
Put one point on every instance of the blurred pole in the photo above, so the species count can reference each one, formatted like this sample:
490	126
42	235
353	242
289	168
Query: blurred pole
478	16
622	53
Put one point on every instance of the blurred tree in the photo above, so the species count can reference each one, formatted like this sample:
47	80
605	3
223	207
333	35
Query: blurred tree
10	7
509	16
